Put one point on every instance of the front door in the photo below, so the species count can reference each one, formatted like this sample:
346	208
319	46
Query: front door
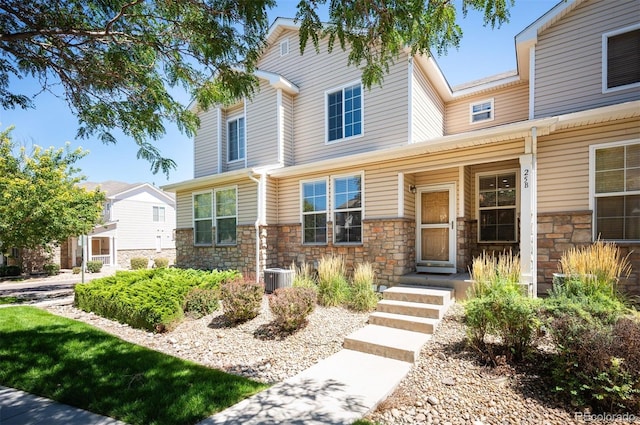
436	238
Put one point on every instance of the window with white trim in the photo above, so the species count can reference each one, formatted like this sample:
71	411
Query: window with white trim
347	209
481	111
226	216
621	59
616	189
202	218
344	112
497	206
235	139
314	212
158	214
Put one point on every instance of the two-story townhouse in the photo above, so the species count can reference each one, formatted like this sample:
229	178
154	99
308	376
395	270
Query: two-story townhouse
416	175
138	220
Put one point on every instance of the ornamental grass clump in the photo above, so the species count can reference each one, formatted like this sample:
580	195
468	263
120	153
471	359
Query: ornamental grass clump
362	296
303	276
333	288
241	299
291	307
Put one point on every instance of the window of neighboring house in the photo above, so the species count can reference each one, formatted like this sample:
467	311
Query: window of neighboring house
235	138
621	59
497	207
314	212
481	111
284	47
226	216
203	218
158	214
616	189
344	112
347	209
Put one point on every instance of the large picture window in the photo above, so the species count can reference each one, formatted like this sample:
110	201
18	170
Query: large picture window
202	218
226	216
235	138
314	212
497	207
344	113
621	59
617	191
347	210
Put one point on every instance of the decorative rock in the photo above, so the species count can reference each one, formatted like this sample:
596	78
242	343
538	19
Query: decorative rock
420	417
441	356
433	400
449	381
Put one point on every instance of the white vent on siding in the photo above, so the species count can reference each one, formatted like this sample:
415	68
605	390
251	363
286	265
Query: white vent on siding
284	47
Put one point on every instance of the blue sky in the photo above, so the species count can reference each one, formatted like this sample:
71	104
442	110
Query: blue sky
483	52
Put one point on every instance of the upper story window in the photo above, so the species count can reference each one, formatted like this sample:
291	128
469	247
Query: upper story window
347	209
314	212
497	206
481	111
344	112
202	218
621	59
235	139
158	214
284	47
226	216
615	180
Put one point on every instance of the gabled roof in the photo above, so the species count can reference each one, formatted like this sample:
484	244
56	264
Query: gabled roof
115	189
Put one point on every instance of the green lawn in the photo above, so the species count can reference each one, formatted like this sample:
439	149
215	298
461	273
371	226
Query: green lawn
79	365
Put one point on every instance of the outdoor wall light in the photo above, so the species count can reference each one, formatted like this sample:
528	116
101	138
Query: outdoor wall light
412	188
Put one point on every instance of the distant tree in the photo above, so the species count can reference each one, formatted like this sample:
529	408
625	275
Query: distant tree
117	61
40	200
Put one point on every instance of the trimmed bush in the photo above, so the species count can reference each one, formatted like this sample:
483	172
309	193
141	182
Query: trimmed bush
94	266
291	306
160	262
138	263
10	271
201	302
151	299
76	270
52	269
241	299
333	288
362	296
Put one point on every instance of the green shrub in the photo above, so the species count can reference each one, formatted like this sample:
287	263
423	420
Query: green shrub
76	270
201	302
10	271
291	306
333	288
138	263
52	269
94	266
160	262
362	296
150	299
241	299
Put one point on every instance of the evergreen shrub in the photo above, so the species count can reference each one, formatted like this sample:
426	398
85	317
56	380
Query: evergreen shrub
52	269
138	263
94	266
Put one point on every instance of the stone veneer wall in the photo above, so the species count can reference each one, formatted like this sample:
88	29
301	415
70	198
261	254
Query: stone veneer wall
558	232
125	256
388	244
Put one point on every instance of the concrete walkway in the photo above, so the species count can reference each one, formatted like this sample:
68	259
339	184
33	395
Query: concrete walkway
20	408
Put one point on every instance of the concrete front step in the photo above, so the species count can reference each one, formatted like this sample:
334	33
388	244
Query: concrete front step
412	309
400	321
459	282
387	342
426	295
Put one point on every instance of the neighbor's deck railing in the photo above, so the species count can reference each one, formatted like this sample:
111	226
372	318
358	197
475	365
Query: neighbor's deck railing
105	259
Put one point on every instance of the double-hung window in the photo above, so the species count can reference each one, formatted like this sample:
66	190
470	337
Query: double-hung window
344	112
347	209
621	59
481	111
226	216
616	188
158	214
202	218
314	212
235	139
497	207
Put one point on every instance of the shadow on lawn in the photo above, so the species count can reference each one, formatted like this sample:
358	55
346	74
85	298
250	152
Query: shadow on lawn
81	366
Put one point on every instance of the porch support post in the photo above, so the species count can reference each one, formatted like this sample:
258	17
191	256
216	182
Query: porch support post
528	217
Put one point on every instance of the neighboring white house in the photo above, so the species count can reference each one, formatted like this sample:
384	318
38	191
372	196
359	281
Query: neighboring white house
138	221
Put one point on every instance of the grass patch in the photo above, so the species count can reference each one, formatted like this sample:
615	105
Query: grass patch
11	300
79	365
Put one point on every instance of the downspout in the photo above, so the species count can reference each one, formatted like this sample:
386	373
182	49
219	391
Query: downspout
257	225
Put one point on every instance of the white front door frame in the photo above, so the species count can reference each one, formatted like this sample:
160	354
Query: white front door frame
437	266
